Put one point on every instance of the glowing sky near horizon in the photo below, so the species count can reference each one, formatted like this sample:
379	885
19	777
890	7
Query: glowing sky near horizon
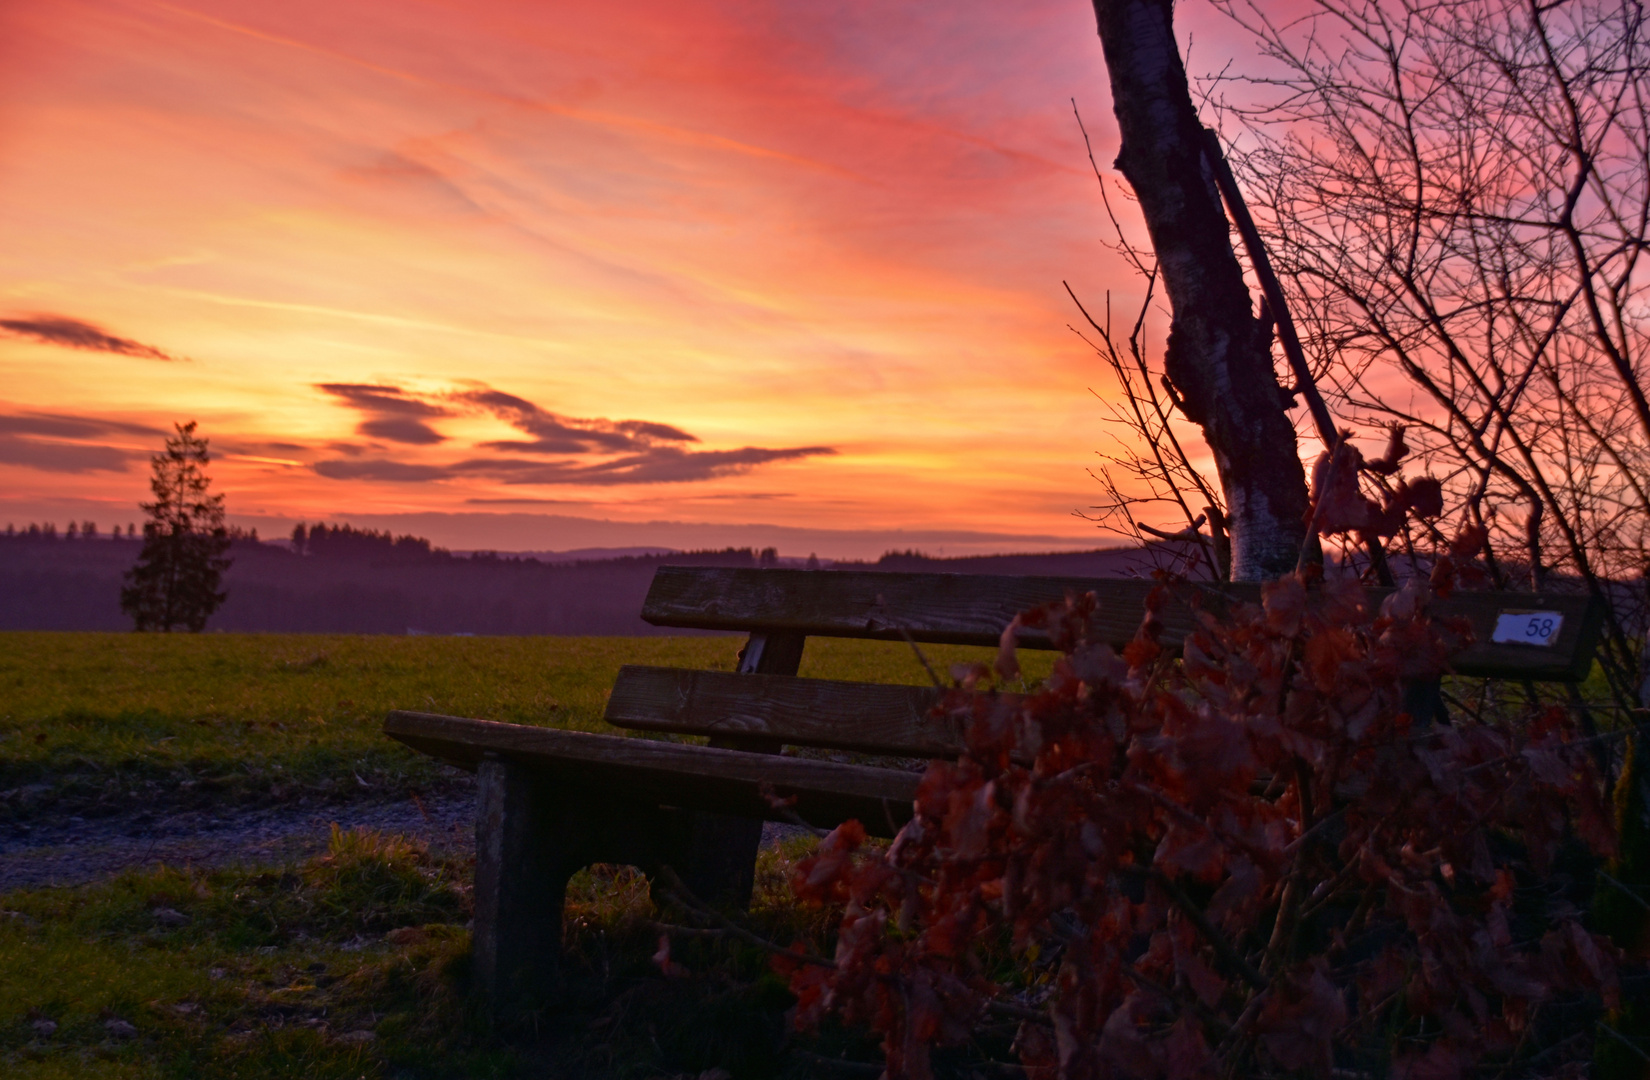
712	260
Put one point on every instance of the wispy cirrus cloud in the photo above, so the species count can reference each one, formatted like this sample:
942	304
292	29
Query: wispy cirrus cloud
79	334
62	443
63	457
659	465
392	414
655	465
380	469
588	452
553	434
65	426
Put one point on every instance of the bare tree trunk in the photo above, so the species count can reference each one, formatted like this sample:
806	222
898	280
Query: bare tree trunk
1219	356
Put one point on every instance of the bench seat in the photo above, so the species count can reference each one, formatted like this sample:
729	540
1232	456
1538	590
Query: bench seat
692	777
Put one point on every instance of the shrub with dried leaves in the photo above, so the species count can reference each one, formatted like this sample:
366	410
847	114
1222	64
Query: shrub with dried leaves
1244	861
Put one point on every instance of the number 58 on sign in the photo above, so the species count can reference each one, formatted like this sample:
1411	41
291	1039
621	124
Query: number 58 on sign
1527	628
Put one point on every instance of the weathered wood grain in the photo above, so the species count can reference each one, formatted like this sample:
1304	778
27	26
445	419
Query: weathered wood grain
671	774
521	874
866	717
973	609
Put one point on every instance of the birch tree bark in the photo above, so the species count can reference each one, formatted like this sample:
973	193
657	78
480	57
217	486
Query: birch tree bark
1219	354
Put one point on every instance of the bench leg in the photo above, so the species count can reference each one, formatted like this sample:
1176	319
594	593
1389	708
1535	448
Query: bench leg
522	867
1424	701
531	837
719	860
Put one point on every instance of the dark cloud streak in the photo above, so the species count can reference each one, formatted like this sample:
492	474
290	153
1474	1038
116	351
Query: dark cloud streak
660	465
593	452
394	471
401	429
77	334
62	457
60	426
554	434
392	413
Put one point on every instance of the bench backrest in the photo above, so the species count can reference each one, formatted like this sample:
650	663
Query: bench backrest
972	609
764	705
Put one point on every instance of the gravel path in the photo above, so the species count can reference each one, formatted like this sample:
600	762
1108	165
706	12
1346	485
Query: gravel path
73	851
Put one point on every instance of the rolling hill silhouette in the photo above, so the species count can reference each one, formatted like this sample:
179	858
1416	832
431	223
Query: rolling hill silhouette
356	581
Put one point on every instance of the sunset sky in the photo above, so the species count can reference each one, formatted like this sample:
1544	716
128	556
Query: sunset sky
488	269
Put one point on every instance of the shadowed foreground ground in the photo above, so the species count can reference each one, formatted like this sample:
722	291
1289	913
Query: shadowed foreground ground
73	850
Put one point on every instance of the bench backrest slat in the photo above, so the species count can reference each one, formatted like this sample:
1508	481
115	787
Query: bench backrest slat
871	718
973	609
961	609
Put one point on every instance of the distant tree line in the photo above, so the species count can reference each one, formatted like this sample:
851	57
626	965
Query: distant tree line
348	542
84	530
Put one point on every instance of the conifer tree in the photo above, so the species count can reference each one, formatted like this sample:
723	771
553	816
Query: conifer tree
175	580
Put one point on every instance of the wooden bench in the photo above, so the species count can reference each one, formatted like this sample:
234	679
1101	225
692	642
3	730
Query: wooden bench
551	802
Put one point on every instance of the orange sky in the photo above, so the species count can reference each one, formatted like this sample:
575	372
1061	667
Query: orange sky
715	261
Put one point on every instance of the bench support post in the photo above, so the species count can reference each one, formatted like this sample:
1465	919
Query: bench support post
1424	701
719	863
534	831
521	880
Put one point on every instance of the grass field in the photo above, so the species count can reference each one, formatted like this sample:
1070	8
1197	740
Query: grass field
355	964
352	964
97	722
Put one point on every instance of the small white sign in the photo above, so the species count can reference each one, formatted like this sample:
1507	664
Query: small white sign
1527	628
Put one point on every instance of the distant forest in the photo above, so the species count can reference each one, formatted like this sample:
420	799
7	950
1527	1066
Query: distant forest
339	579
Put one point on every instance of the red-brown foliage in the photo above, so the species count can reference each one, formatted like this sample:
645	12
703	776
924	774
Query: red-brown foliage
1248	861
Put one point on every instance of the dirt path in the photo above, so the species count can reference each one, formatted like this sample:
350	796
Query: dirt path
58	851
73	850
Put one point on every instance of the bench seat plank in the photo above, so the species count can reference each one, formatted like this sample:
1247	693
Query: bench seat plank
673	774
973	609
871	718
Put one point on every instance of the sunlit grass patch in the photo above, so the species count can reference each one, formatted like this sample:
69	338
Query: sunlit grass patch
355	964
343	966
120	721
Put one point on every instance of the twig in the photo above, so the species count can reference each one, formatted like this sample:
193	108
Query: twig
1300	840
675	930
1629	893
1624	1040
1206	1014
1601	737
683	896
783	808
1188	533
921	659
857	1068
1589	727
730	929
1318	501
1210	932
1010	1011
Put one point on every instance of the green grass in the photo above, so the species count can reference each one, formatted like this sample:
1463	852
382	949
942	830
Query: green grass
279	972
236	973
355	964
107	721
